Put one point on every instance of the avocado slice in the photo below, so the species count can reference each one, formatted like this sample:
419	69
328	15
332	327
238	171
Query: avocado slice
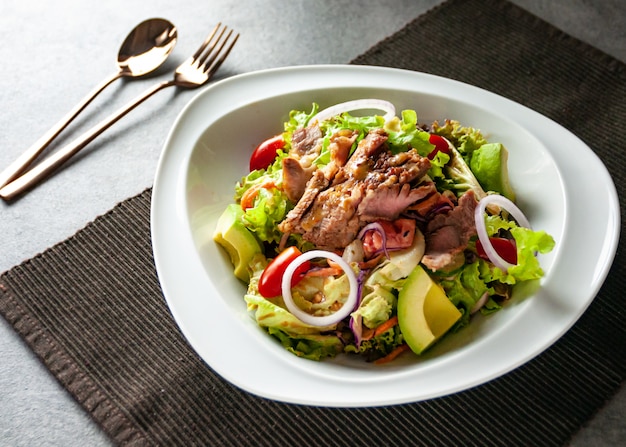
239	242
425	313
489	165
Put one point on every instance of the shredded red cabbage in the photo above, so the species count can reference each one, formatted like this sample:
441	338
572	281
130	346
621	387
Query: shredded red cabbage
356	324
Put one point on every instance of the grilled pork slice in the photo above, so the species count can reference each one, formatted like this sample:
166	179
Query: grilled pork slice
298	168
447	235
306	142
373	184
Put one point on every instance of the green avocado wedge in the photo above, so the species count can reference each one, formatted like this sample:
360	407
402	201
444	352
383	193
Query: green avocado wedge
425	313
240	244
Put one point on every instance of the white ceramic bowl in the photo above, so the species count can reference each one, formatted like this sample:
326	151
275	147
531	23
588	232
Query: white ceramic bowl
561	186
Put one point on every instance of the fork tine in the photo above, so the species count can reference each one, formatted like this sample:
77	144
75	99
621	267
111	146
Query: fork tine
199	51
210	54
209	51
210	66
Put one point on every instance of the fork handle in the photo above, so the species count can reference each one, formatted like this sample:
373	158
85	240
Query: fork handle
27	157
50	164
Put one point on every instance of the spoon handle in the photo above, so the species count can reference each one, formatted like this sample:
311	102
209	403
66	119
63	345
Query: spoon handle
50	164
28	156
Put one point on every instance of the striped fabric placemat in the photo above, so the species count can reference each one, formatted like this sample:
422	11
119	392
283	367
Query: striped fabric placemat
91	307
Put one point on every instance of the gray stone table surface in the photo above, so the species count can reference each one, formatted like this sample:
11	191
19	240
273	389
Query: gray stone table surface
53	53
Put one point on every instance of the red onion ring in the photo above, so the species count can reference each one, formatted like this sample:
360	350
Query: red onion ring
481	227
377	227
305	317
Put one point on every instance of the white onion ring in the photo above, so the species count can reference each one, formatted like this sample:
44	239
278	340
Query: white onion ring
305	317
480	303
357	104
481	227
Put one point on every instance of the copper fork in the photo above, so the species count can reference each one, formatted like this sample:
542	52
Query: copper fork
192	73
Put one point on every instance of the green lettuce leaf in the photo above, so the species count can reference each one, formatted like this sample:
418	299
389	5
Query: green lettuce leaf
271	205
528	242
437	165
299	119
495	223
465	139
528	268
405	133
376	307
460	178
378	346
312	347
270	208
466	288
270	314
334	289
297	337
489	165
345	121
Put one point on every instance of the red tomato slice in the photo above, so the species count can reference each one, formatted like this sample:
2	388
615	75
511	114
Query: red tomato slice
265	153
441	145
399	234
504	247
270	283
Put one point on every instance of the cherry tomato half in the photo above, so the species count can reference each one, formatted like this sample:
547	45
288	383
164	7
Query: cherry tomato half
265	153
441	145
270	283
504	247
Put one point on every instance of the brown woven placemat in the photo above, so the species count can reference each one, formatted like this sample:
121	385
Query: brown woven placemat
92	310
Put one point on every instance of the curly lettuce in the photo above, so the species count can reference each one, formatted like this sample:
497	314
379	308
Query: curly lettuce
403	133
459	178
467	287
465	139
299	338
299	119
270	204
379	346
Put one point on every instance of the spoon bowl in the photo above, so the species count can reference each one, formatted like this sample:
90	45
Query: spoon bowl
144	50
146	47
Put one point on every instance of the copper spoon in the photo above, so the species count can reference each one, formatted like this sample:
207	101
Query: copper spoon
144	50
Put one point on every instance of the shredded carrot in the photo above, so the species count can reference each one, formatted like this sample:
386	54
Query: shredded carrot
367	334
393	354
371	263
248	197
384	327
326	271
333	269
332	263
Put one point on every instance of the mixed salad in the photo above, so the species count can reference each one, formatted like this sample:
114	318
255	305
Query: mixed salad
376	235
